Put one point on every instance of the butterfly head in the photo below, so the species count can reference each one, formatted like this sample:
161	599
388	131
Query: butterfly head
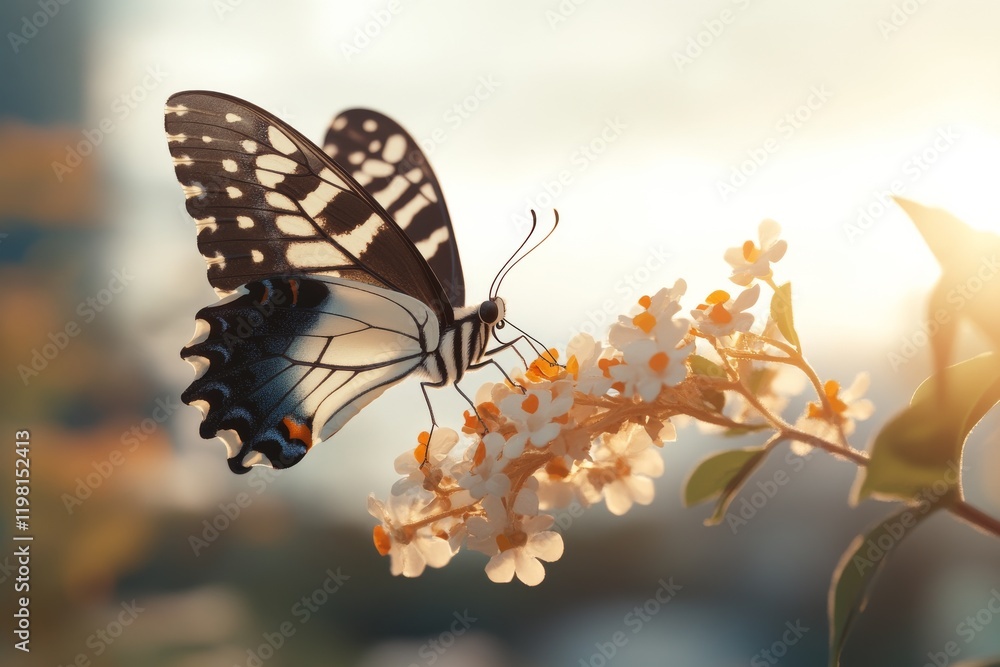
492	312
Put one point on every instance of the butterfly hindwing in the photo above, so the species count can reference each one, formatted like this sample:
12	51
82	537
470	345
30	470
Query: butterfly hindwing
287	362
389	163
268	202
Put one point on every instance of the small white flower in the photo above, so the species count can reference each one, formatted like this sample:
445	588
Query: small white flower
418	472
522	549
409	551
750	261
654	320
625	464
650	365
487	476
533	414
846	408
721	315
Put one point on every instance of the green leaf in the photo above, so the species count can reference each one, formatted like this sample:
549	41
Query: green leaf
721	475
920	449
858	566
702	366
781	313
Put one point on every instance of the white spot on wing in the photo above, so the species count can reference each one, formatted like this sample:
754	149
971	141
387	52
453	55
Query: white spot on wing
404	216
308	254
233	192
257	256
180	109
395	146
358	239
216	260
339	123
232	118
184	160
229	165
295	225
207	139
280	140
278	163
414	175
244	222
206	223
331	150
370	125
269	179
278	200
249	145
362	178
428	191
429	246
318	199
201	331
377	168
392	192
357	157
193	190
179	138
375	146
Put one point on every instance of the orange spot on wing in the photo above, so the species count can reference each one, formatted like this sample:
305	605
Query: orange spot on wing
297	431
294	284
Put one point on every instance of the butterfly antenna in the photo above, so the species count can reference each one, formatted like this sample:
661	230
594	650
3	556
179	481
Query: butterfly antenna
534	224
533	248
532	341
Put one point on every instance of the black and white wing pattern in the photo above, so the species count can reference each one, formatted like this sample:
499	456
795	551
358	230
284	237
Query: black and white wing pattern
387	161
329	301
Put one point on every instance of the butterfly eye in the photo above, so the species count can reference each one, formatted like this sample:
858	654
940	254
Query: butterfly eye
489	312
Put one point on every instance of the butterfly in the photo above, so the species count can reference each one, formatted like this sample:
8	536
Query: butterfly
339	273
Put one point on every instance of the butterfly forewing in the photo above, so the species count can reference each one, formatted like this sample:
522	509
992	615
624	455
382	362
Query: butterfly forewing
386	160
268	202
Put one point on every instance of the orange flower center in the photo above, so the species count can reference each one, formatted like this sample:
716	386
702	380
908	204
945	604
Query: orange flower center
530	404
658	362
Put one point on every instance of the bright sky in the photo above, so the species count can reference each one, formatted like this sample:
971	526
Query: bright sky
663	133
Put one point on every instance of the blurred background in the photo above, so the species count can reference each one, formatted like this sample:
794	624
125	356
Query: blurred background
664	133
